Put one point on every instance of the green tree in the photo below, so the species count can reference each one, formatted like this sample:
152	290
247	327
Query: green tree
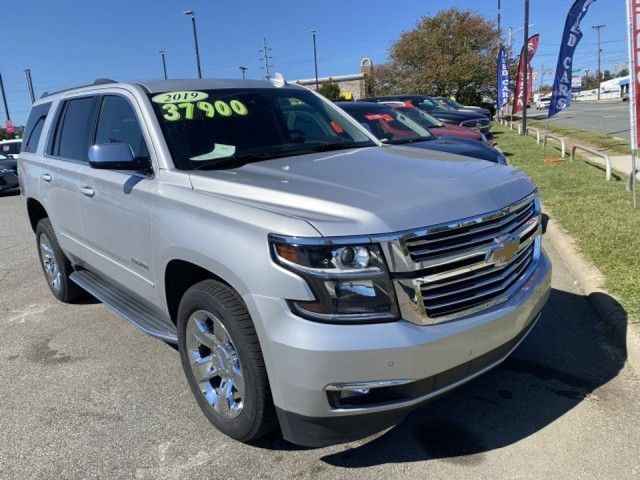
623	73
331	90
450	53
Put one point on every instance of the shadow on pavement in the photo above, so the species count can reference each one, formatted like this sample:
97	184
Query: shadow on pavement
566	357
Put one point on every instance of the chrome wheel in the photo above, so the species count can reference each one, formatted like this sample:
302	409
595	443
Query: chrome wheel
49	263
215	363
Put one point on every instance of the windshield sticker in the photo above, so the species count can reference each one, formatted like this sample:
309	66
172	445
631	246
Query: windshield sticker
178	97
219	151
185	110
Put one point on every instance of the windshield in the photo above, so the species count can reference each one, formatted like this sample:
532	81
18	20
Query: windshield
421	117
10	148
430	104
222	128
390	125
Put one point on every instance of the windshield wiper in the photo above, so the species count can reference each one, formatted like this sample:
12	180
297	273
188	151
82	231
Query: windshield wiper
236	160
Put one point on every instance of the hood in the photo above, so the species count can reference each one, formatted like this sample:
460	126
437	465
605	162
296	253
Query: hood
457	115
460	146
457	131
370	190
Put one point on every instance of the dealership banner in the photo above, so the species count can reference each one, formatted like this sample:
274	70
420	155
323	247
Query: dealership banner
562	85
503	79
527	54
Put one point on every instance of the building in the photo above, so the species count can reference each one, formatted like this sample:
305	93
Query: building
612	89
353	86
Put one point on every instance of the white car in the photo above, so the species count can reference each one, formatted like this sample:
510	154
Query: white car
543	103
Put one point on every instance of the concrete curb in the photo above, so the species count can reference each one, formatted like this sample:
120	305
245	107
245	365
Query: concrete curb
590	280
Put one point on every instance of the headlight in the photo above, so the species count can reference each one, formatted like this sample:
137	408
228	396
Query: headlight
351	282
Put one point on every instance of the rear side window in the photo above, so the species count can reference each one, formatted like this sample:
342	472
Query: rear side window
33	130
117	123
72	135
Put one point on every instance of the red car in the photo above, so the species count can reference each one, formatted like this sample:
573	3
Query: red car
434	125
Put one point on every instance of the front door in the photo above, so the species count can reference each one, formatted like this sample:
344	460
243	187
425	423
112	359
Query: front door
114	204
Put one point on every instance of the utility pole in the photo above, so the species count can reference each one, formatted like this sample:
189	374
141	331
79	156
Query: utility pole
526	67
266	57
27	75
192	14
315	56
243	70
598	28
164	63
4	99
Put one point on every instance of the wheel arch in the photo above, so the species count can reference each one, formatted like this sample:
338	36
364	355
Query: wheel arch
36	212
180	275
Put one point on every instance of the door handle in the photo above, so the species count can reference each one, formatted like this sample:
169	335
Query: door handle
88	191
46	177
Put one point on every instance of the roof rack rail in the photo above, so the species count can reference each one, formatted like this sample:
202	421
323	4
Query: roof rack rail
98	81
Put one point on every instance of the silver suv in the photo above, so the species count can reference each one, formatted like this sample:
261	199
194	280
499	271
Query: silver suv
310	276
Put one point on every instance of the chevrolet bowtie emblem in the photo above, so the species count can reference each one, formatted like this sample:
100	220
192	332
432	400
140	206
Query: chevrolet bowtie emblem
505	252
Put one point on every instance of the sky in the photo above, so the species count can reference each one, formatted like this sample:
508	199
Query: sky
67	42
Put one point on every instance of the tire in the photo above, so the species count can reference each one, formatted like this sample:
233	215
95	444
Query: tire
55	265
219	345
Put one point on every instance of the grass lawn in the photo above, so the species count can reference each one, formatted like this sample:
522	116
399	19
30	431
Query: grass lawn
598	214
599	140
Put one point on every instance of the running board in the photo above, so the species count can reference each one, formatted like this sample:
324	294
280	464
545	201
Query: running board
143	315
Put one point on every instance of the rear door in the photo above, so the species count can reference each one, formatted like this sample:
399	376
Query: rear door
115	204
67	148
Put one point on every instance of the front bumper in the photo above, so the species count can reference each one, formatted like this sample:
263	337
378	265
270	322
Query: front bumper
8	180
303	358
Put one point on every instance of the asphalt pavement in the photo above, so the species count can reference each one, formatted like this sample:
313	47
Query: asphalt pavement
610	117
85	394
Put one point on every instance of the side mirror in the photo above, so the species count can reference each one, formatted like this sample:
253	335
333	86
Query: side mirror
115	156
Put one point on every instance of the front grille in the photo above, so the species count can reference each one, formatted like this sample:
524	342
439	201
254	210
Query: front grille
457	238
480	124
472	264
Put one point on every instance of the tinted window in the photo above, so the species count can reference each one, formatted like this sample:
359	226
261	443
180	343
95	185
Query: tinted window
10	148
117	123
73	138
33	130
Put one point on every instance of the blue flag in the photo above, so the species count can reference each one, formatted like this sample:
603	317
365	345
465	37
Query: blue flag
503	80
561	97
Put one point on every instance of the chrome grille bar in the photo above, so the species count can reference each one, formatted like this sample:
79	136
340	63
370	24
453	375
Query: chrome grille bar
469	265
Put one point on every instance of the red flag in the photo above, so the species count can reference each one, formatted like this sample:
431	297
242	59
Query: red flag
532	48
9	125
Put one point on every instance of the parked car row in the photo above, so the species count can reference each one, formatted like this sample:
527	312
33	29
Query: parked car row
9	150
315	272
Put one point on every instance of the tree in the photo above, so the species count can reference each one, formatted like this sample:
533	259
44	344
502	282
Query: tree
623	73
331	90
451	53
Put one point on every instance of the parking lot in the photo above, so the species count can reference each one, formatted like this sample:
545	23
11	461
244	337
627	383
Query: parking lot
85	394
608	117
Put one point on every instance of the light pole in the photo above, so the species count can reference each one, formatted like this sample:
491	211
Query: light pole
315	56
27	76
243	70
191	13
511	33
164	63
598	28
